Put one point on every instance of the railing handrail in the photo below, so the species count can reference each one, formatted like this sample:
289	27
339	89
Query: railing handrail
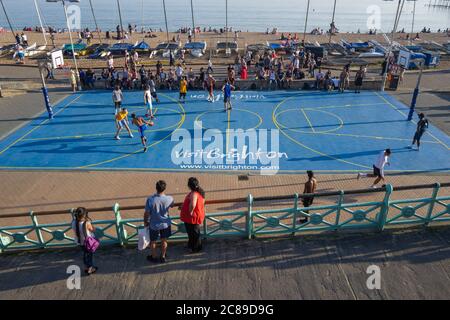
240	200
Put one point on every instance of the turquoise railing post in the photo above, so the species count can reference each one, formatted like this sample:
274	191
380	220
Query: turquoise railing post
119	227
39	236
436	189
338	210
294	216
385	208
249	217
205	228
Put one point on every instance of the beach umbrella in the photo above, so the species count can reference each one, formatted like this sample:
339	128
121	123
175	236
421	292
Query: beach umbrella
7	18
95	21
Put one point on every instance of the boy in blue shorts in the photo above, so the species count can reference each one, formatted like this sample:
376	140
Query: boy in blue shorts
142	126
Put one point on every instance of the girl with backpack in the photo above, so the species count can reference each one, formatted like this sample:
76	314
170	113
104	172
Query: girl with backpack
84	232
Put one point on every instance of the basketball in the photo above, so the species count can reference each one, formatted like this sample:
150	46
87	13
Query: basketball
152	123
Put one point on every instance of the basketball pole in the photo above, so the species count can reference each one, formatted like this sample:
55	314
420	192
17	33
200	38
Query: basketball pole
73	49
48	105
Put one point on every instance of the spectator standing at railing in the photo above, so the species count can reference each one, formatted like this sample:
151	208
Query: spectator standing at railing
83	228
310	188
193	214
157	219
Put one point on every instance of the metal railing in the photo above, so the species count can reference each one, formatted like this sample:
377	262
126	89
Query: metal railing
249	223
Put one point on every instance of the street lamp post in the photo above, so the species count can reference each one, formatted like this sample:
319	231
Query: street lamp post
7	18
193	21
332	21
165	20
306	21
71	39
413	20
95	21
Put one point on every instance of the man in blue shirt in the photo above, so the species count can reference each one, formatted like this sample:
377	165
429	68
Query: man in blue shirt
157	219
226	89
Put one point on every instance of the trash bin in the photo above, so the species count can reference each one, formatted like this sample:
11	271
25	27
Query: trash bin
393	83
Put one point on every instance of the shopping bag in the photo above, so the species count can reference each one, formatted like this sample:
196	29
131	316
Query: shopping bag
144	238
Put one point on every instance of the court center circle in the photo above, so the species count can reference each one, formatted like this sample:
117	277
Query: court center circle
338	125
220	111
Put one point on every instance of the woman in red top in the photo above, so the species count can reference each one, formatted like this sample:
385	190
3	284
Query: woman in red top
193	214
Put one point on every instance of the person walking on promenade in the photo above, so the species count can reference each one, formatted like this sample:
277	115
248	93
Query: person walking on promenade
83	228
422	126
378	168
157	219
310	188
359	79
193	214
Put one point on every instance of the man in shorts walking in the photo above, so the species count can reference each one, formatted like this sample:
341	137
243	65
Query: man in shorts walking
378	167
157	219
422	126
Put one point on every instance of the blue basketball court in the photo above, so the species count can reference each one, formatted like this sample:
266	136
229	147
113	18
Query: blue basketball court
317	131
